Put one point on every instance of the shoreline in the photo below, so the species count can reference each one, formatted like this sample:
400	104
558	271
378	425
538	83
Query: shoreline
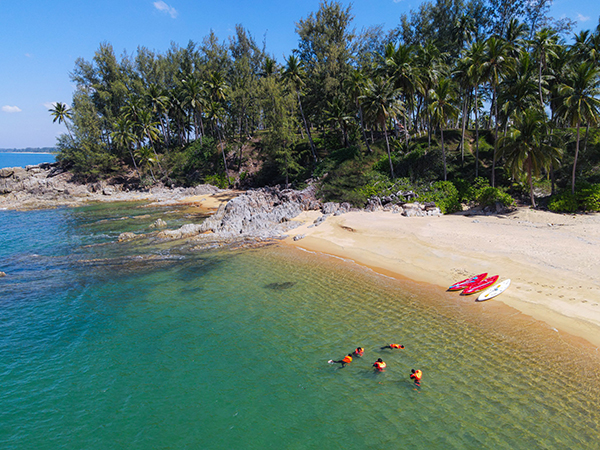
552	259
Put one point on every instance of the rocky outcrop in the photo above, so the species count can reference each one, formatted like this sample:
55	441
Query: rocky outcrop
47	186
264	213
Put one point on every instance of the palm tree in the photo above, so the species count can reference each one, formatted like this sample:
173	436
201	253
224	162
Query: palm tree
399	66
124	137
494	66
337	113
216	113
195	99
61	113
526	147
580	103
545	43
442	109
149	130
294	73
355	85
381	99
474	59
158	101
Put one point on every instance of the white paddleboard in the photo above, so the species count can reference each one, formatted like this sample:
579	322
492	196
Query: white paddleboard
494	291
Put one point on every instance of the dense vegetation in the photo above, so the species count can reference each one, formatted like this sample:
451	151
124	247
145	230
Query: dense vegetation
464	101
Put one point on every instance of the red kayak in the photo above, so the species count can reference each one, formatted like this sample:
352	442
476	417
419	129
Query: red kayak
480	286
468	282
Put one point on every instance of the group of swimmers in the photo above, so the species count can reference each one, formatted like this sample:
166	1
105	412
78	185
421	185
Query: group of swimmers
379	365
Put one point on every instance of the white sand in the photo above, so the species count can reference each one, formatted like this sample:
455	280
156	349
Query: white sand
552	259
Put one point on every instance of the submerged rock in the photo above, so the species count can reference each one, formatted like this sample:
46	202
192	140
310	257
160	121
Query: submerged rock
159	223
280	286
2	274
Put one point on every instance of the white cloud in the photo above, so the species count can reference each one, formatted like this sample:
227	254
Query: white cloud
49	105
582	18
11	109
162	6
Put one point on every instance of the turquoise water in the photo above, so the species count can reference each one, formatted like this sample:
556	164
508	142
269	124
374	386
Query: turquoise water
25	159
147	345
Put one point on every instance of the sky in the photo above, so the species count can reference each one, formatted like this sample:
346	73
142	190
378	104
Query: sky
41	39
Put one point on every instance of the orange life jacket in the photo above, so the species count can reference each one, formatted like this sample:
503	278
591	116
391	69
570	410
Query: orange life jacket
359	352
347	359
417	375
380	365
394	345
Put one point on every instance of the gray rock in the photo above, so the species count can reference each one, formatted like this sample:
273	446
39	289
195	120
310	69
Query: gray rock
330	208
127	236
108	190
299	236
159	223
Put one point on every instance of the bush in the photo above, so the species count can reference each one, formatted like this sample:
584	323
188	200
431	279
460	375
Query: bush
444	194
586	198
564	202
218	180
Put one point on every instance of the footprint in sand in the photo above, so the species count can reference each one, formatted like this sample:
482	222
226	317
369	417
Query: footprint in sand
594	304
584	301
539	292
560	296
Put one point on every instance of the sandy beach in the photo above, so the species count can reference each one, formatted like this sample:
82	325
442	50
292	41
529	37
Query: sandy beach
553	260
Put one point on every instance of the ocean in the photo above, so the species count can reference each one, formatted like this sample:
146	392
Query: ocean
25	159
153	345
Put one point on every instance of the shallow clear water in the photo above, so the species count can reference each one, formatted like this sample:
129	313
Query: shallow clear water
24	159
147	345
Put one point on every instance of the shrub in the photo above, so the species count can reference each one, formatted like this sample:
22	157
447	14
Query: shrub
444	194
563	202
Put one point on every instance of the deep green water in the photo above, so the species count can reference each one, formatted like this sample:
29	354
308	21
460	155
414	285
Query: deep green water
146	345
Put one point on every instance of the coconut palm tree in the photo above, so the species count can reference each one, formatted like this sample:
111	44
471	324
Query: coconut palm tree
123	136
474	57
399	64
381	98
496	62
355	85
336	112
62	113
195	99
442	109
216	114
294	73
545	43
526	148
580	103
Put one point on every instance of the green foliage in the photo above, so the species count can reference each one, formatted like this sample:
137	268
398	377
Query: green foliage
564	202
586	198
481	193
219	180
444	194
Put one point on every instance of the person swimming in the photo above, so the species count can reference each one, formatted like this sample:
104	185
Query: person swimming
393	346
416	375
379	365
347	360
359	351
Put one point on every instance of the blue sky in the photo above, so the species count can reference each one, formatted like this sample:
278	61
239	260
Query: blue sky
41	39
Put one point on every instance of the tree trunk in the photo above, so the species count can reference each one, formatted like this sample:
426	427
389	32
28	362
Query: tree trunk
443	153
495	101
362	127
312	145
476	133
462	136
575	160
529	179
387	142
